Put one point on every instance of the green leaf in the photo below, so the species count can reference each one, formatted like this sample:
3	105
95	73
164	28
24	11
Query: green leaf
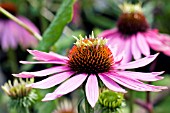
54	31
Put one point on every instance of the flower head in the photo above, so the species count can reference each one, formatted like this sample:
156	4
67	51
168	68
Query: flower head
20	95
11	34
133	34
110	100
90	60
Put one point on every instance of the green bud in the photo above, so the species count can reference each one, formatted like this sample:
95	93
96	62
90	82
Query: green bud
111	101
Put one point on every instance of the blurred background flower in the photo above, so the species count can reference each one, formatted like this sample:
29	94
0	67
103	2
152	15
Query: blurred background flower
134	36
12	34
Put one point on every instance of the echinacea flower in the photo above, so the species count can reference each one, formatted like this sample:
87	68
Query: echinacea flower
11	34
90	60
134	35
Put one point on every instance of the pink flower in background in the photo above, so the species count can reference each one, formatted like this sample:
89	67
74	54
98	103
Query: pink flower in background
90	60
134	35
76	13
11	34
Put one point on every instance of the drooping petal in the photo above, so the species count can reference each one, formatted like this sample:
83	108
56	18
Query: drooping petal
134	48
92	90
127	51
152	76
143	45
111	84
11	36
38	55
108	33
66	87
134	84
138	63
8	39
29	23
51	81
41	73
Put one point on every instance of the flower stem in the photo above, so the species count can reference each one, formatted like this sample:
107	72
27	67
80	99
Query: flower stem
148	101
88	108
27	110
12	60
9	15
131	101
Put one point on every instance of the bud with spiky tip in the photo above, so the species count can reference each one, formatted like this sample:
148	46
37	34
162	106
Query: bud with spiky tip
21	97
111	102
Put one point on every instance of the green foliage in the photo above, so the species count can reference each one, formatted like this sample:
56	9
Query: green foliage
54	31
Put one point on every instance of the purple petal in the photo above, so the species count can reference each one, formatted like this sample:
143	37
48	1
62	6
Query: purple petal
66	87
51	81
143	45
134	84
153	76
135	49
111	84
107	33
8	39
38	55
41	73
138	63
127	51
92	90
43	62
29	23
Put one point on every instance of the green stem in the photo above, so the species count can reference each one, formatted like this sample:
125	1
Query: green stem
88	108
27	110
9	15
131	101
12	60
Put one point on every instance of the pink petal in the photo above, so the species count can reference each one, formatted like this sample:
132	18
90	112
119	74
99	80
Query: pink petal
111	84
153	76
92	90
51	81
142	44
8	39
108	33
135	49
66	87
120	42
41	73
29	23
38	55
43	62
127	51
138	63
134	84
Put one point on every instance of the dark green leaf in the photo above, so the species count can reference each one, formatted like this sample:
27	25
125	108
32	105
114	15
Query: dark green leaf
54	31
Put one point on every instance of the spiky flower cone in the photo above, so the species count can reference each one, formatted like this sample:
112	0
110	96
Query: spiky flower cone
21	97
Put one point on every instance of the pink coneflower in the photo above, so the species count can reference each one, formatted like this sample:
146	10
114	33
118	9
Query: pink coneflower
11	34
90	60
134	35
